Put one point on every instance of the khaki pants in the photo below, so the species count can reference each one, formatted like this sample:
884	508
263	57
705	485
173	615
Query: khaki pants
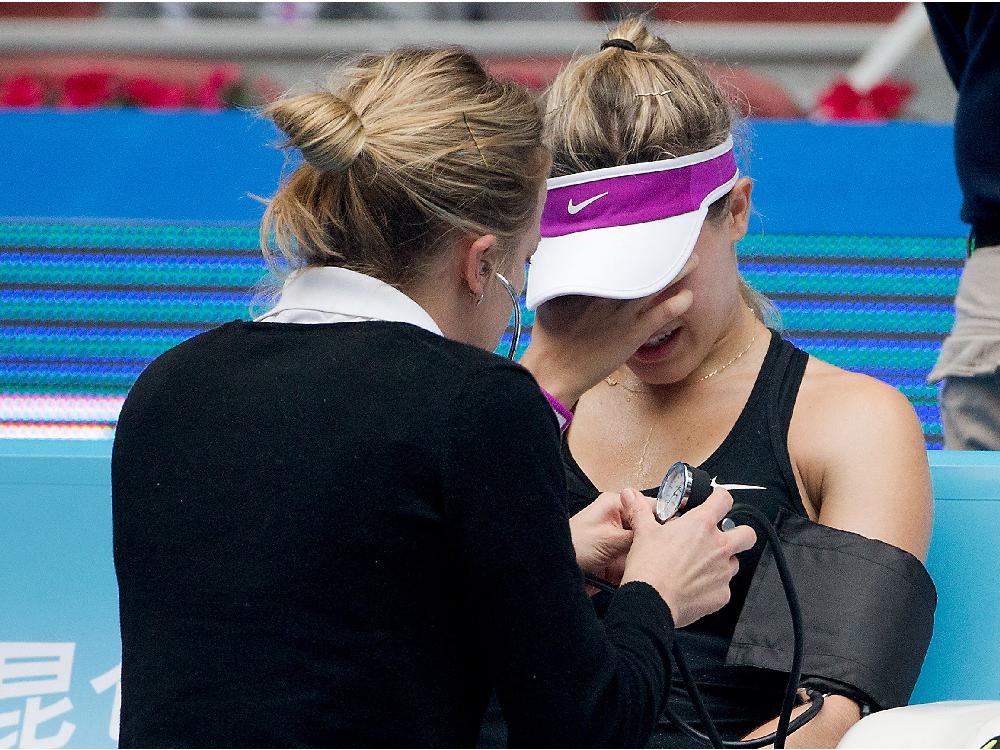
970	357
970	411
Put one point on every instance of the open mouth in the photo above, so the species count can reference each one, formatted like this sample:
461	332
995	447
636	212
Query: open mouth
658	346
659	339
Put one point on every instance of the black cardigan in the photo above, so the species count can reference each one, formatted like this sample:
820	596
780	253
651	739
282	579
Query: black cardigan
346	534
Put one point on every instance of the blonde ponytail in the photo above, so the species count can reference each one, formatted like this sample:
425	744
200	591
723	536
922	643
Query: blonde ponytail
760	305
618	107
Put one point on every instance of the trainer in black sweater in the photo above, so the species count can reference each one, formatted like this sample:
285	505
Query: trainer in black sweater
352	545
341	526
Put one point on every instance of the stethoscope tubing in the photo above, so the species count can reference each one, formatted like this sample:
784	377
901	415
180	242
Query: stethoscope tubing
785	723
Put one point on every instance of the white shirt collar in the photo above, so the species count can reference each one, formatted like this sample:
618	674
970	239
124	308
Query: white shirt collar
337	295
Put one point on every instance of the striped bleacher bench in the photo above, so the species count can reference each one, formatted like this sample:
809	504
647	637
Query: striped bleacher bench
855	238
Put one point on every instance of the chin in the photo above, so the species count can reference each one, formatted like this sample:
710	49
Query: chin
659	373
668	365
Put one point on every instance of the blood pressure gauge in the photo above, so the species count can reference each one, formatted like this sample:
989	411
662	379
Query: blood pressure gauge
684	487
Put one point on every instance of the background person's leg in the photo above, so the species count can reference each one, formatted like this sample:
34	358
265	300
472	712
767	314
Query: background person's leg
970	412
970	358
968	36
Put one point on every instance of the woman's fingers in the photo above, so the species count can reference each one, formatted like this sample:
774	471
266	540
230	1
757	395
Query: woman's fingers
662	313
741	538
578	341
638	509
715	507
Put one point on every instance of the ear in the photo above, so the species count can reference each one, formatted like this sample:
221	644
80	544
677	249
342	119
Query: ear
475	268
739	208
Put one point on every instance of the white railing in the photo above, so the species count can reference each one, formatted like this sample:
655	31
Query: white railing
255	40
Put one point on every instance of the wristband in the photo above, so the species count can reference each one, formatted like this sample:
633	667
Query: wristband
563	415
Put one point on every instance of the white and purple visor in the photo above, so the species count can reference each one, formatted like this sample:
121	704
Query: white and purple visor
626	232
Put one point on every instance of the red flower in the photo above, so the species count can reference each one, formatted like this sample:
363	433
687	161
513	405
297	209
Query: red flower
225	87
147	92
22	91
88	89
210	94
841	101
889	97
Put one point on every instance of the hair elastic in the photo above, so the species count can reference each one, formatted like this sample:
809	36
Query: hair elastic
620	44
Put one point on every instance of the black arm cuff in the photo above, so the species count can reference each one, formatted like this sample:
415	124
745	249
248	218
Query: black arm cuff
867	612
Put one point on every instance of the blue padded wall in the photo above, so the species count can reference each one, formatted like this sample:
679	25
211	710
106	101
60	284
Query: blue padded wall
55	499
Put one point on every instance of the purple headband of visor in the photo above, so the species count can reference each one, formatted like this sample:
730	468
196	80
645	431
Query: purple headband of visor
655	190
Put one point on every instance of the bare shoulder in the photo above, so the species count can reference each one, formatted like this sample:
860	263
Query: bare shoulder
858	446
836	405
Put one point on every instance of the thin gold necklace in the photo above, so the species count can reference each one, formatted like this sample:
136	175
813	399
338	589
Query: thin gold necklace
612	381
642	455
717	370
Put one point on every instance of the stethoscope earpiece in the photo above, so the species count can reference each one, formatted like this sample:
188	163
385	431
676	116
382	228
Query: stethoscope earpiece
516	303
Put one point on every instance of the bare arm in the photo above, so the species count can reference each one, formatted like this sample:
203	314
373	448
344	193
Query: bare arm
874	477
826	729
860	450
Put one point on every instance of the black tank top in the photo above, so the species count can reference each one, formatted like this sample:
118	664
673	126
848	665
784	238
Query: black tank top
755	452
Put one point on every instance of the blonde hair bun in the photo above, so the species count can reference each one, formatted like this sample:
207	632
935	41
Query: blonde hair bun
411	148
321	125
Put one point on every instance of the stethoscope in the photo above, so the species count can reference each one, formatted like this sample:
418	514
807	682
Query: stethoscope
685	487
516	304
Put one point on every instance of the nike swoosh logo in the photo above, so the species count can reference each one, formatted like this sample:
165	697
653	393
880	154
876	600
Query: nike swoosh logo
573	210
736	486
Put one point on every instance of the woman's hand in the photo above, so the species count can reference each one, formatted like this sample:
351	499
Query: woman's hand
578	341
601	537
688	560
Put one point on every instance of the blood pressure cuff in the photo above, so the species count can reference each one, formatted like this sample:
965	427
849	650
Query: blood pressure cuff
867	612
